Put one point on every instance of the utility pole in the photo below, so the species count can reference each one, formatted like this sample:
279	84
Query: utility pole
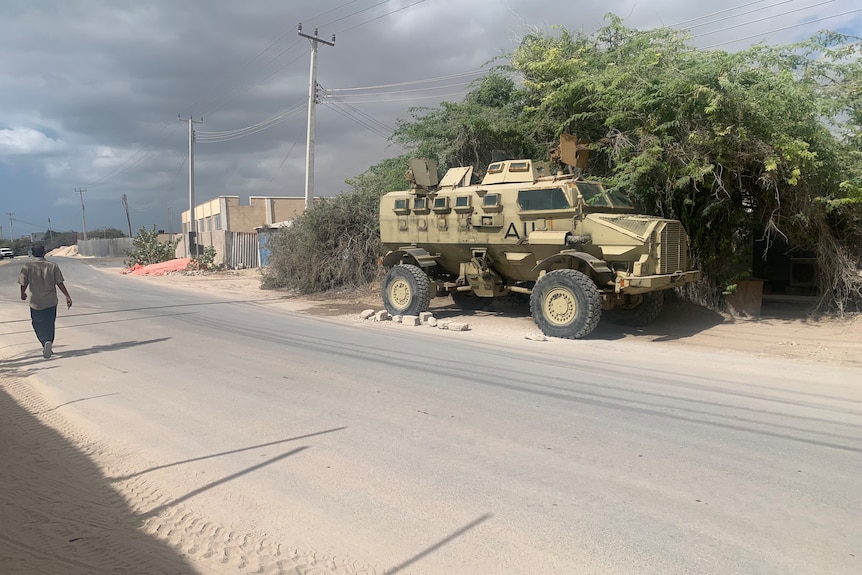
81	191
50	233
312	101
192	238
128	219
11	226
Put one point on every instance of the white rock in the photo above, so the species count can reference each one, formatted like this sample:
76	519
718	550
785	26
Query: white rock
425	316
366	314
397	318
411	320
455	326
382	315
536	337
432	321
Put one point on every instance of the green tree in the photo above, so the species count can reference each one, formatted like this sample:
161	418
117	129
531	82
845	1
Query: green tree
758	141
468	133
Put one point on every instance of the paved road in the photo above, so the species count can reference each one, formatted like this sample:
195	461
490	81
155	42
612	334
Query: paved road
422	451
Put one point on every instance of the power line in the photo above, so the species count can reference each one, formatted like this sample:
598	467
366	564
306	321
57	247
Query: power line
394	92
355	110
760	35
354	14
746	5
410	82
429	97
735	26
359	122
216	137
379	17
734	16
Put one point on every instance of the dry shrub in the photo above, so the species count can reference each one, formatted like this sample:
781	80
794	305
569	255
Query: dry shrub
334	245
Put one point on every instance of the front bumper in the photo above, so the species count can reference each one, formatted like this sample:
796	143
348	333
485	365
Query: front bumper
644	284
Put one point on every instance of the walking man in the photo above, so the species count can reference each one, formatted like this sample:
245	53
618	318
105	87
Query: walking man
43	278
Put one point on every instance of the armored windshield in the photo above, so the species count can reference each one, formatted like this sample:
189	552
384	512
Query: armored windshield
595	196
548	199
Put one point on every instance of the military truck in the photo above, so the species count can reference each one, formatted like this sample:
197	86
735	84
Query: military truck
574	247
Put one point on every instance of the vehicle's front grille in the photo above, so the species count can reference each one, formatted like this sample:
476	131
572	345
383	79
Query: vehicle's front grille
673	248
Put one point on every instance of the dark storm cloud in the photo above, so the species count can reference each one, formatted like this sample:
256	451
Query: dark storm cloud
92	89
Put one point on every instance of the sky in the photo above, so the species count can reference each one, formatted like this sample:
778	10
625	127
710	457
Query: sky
96	94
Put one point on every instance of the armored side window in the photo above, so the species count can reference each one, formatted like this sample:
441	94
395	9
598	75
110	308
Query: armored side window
495	168
420	203
552	199
519	166
463	204
441	204
491	200
401	207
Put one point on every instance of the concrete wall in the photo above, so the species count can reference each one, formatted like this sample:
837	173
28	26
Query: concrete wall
114	248
284	209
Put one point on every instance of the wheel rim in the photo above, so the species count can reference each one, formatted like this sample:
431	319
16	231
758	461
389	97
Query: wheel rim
400	293
561	306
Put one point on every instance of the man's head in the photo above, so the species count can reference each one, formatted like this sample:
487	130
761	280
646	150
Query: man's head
38	251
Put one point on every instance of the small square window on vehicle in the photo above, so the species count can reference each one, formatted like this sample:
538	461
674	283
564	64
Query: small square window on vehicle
491	200
463	204
441	205
549	199
420	203
401	207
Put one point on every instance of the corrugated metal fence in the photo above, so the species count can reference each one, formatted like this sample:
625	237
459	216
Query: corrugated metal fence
241	250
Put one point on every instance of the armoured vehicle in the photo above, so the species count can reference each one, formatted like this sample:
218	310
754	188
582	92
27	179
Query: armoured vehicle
576	248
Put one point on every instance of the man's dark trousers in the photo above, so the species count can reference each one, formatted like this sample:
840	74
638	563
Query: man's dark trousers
43	323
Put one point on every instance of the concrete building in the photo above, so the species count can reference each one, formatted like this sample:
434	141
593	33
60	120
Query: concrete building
225	213
231	228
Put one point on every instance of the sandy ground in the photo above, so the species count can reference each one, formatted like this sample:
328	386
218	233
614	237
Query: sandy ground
49	487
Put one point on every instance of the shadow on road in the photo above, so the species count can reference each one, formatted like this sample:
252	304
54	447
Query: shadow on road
59	513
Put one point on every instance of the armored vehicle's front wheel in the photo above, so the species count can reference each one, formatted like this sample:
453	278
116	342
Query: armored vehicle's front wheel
406	290
566	303
639	312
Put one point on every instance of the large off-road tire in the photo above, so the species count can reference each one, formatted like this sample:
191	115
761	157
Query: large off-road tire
645	311
566	303
406	290
468	300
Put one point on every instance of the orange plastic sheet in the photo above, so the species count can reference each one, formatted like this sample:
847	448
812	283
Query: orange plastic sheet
159	269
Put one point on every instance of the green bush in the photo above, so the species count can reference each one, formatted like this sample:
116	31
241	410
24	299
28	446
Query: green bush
147	249
205	261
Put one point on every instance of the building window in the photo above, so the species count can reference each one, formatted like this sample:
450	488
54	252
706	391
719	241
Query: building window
217	221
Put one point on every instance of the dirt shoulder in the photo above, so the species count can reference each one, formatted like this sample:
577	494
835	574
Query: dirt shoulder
783	331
